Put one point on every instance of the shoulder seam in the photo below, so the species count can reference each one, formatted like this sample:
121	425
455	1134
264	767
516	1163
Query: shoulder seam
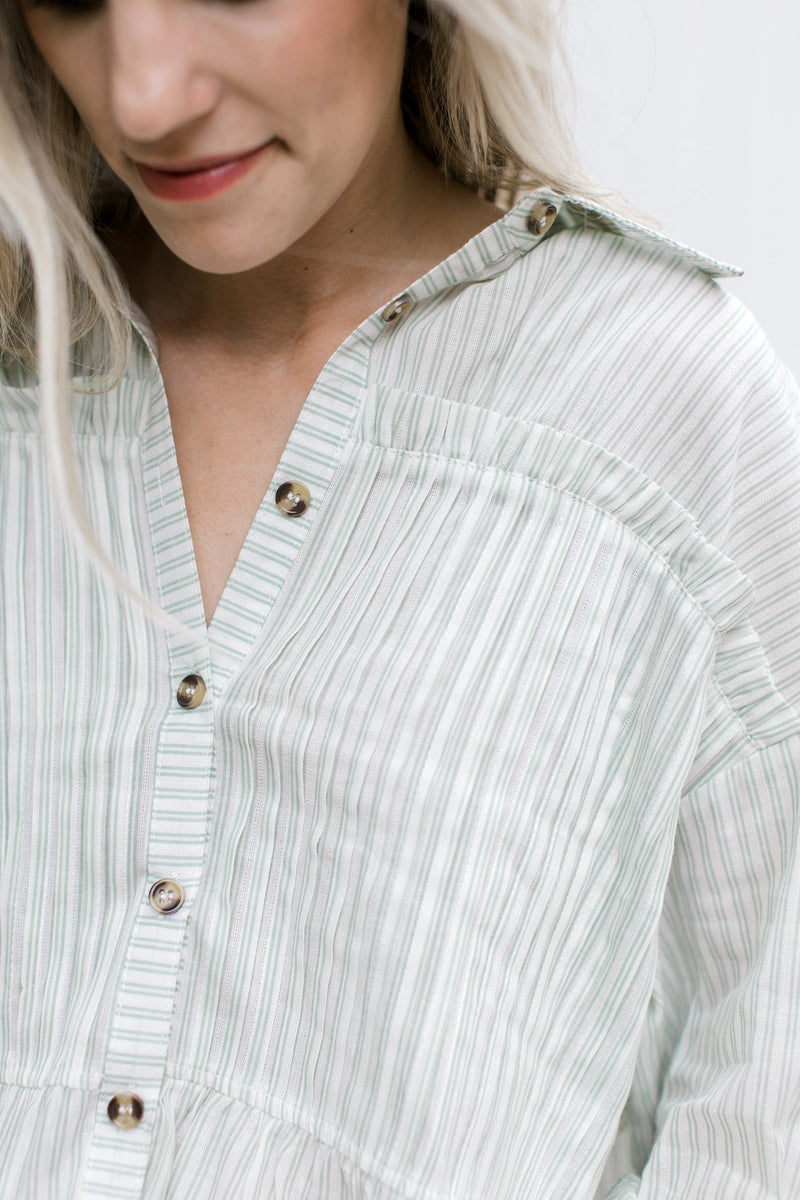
577	210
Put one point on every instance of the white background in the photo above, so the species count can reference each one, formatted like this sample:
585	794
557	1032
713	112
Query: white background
691	108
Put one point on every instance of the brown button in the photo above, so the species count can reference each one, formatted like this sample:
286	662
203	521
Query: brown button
292	498
191	690
125	1110
396	309
166	896
541	217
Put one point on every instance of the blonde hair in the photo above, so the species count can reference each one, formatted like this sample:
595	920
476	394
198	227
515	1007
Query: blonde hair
479	97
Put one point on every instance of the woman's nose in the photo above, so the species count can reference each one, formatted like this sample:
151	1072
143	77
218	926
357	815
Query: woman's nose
158	80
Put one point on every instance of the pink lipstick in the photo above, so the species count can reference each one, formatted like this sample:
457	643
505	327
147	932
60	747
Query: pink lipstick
200	179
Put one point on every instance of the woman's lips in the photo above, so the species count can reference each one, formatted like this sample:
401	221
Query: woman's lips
198	181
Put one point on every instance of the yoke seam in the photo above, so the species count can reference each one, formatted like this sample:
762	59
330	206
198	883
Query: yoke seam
562	491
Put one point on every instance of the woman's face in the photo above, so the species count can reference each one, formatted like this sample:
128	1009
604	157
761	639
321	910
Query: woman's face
239	125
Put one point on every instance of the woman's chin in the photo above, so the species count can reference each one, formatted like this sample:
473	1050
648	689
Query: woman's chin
219	251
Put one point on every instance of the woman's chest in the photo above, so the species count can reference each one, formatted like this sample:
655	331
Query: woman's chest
422	816
486	641
230	424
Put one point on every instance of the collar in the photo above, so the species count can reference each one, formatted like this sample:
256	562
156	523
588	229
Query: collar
538	216
576	211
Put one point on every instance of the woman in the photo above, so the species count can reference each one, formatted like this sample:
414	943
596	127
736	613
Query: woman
441	839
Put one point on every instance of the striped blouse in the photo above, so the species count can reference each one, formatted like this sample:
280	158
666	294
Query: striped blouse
458	858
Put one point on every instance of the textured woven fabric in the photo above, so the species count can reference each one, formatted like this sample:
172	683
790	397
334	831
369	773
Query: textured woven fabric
488	822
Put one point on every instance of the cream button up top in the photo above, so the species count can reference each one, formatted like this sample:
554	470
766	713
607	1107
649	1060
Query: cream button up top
458	859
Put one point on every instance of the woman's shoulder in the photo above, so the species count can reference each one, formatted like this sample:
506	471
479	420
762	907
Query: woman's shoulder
587	215
602	271
613	327
569	315
604	330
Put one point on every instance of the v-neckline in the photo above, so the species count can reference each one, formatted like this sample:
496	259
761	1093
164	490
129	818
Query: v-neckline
311	456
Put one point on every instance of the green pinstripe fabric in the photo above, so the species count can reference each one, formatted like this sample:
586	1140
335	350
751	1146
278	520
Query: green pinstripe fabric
488	821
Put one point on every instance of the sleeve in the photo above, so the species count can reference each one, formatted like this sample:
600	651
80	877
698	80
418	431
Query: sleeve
714	1107
725	1123
763	536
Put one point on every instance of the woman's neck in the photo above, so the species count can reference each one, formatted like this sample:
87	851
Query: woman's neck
368	247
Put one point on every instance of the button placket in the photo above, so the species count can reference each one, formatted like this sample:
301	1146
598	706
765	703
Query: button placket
310	461
140	1031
